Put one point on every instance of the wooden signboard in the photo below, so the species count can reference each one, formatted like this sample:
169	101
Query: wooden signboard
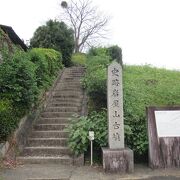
164	137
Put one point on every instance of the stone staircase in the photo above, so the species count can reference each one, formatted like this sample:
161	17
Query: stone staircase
47	142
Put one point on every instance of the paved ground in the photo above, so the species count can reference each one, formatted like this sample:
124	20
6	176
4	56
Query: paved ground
61	172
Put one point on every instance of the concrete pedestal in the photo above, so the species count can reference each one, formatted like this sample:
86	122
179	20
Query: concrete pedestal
118	160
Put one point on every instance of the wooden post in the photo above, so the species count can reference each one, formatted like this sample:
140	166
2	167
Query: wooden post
164	137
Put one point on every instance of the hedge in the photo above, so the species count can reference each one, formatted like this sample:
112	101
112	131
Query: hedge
47	62
23	77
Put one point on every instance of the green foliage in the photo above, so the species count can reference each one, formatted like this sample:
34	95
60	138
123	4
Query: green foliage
79	59
48	62
98	51
7	48
115	53
95	79
55	35
8	121
80	127
143	86
95	84
54	59
95	62
23	77
18	81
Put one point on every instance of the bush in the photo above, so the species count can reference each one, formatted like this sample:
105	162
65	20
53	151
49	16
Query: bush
18	81
96	62
115	53
95	84
22	79
54	59
8	121
98	51
80	127
79	59
48	62
95	80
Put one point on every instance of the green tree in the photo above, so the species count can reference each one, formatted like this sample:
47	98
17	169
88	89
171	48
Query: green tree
55	35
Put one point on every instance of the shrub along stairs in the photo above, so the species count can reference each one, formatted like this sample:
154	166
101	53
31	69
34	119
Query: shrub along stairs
47	142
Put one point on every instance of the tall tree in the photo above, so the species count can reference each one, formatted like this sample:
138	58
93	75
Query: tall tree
55	35
87	23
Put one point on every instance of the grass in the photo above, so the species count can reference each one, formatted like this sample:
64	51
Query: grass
146	86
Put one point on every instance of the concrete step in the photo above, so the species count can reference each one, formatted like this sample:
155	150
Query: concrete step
76	76
64	104
49	134
62	109
79	72
78	90
72	74
71	79
68	93
71	82
60	95
64	159
46	151
62	83
53	121
35	142
66	100
47	142
57	114
74	70
68	88
49	127
68	85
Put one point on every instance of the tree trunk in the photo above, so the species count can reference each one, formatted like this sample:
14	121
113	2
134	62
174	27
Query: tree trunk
76	47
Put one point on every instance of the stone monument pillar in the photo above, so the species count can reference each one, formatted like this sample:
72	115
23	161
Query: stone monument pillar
116	158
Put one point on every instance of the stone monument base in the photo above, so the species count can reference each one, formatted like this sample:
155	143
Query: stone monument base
118	160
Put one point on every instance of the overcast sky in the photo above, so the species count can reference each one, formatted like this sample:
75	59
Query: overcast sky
148	31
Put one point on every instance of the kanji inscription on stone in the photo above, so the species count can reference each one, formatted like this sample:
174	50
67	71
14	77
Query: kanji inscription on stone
115	106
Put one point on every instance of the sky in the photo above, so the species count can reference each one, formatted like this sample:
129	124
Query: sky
148	31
